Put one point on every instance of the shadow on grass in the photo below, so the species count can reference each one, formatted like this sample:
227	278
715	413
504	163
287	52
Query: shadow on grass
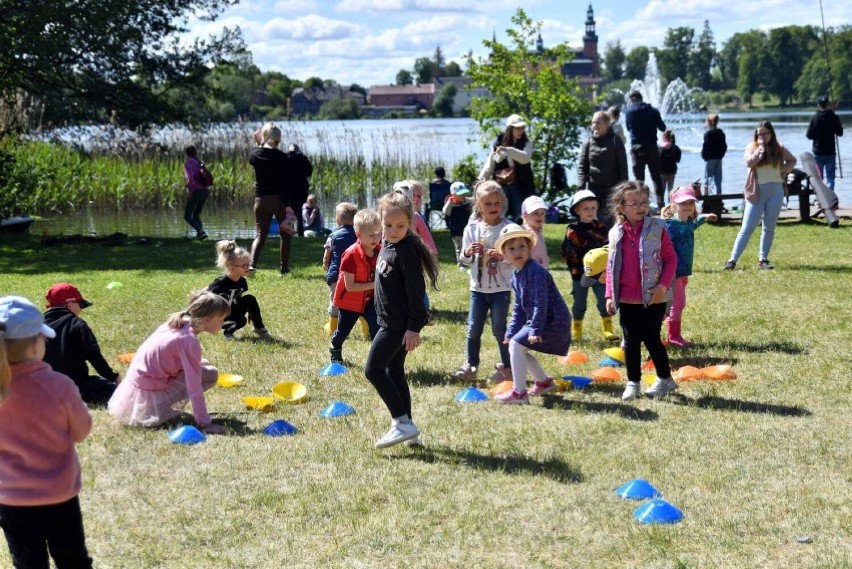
626	411
782	346
234	426
713	402
452	316
554	468
429	377
820	268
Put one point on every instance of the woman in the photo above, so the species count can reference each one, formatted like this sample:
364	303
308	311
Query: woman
512	149
602	164
768	162
270	173
299	169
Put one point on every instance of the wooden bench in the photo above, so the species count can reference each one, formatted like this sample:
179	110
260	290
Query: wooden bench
798	184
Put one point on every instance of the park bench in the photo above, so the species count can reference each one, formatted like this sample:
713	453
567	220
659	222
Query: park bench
798	185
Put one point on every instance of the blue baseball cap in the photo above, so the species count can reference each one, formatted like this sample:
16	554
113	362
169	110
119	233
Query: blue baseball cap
21	319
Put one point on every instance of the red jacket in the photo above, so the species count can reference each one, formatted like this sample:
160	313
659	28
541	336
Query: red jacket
356	262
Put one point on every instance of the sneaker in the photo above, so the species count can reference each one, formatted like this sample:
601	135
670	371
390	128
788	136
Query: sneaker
513	398
631	391
283	271
229	337
730	265
765	265
540	388
202	236
398	433
465	372
501	373
661	387
415	442
263	334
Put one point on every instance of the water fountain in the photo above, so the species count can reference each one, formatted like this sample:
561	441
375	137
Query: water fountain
673	102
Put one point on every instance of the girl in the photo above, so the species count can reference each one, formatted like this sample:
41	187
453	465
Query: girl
167	370
712	151
602	163
540	319
640	268
490	280
41	417
414	191
669	157
401	314
768	162
682	220
512	149
197	191
232	285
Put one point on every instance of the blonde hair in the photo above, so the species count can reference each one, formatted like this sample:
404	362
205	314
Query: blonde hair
202	304
616	198
604	116
712	120
228	251
366	219
11	352
670	211
345	212
397	200
484	189
270	134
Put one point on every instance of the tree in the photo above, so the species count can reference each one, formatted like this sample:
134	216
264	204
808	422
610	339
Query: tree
452	70
424	70
102	59
673	58
529	83
442	106
438	59
339	108
753	41
355	87
403	77
701	59
834	81
313	83
788	50
636	62
614	59
747	81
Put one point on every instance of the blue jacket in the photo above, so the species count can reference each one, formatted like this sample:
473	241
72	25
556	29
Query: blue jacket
340	240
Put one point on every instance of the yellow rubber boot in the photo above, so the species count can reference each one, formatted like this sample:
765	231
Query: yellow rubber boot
331	325
608	334
576	330
365	328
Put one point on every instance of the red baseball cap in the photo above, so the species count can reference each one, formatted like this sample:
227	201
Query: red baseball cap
60	293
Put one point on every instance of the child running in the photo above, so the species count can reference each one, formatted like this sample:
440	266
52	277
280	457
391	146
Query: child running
581	236
533	210
641	267
353	295
41	417
540	318
490	280
682	220
401	314
168	371
232	286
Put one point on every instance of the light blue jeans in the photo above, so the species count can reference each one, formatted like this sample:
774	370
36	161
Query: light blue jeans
770	198
713	171
480	304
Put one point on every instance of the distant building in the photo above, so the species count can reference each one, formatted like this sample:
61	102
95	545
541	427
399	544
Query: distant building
308	101
418	96
585	66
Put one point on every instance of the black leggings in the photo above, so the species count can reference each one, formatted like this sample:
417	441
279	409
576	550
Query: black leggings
385	368
640	324
245	305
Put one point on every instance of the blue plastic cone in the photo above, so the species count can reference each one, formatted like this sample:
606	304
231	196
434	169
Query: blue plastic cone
187	435
333	368
471	395
610	362
658	512
638	490
578	381
337	409
273	227
279	428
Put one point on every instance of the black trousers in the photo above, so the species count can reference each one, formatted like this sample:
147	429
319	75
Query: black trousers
33	530
96	390
246	307
642	324
385	368
648	155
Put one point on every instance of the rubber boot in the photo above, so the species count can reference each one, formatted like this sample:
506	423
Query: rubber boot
336	354
331	325
608	333
576	330
365	328
675	339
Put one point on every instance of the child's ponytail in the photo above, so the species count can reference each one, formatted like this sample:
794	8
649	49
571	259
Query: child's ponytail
397	200
202	304
228	251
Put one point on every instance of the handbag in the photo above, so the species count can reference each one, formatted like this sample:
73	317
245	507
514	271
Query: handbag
505	176
205	178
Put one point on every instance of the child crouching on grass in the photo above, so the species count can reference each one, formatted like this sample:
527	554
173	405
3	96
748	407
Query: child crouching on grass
232	286
540	318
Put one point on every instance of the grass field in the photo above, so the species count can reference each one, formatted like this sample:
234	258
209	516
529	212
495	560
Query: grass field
753	464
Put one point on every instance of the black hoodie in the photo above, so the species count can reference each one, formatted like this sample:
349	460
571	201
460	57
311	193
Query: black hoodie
73	346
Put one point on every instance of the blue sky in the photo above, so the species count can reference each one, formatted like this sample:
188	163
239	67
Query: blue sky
368	41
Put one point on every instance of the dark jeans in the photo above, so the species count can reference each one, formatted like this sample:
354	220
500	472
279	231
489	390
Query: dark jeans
96	390
642	324
246	305
581	297
264	208
32	531
648	155
194	205
385	368
346	320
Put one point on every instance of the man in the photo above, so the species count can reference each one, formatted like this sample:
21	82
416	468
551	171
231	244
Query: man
822	129
643	120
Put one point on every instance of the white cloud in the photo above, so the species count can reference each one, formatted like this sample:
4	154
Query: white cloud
297	6
310	27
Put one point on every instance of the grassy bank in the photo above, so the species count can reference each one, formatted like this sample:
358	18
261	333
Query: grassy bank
753	463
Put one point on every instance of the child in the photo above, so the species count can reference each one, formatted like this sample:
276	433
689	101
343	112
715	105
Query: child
41	417
581	236
414	191
712	151
533	210
641	267
682	220
312	219
540	318
400	311
232	286
75	344
457	210
340	239
490	280
353	295
167	370
197	190
669	158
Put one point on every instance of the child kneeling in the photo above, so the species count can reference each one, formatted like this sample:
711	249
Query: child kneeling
232	286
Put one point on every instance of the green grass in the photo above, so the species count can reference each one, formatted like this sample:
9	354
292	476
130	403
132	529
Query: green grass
752	463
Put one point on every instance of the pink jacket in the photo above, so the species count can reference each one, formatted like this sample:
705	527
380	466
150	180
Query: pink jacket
421	228
753	155
40	421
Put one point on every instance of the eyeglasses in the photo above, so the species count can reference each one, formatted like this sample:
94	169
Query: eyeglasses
645	203
763	133
243	266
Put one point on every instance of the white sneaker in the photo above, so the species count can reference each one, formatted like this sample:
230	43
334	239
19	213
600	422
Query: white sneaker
631	391
661	387
415	442
398	433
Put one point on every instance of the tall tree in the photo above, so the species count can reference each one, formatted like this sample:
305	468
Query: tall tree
614	59
673	58
788	50
701	59
748	76
438	59
636	62
753	42
829	74
442	106
403	77
424	70
452	70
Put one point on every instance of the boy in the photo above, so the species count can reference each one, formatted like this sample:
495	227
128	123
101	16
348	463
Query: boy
533	210
75	344
339	240
457	209
353	295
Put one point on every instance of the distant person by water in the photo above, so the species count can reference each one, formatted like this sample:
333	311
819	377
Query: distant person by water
614	113
643	121
669	158
439	190
297	185
197	190
823	128
512	151
312	218
712	152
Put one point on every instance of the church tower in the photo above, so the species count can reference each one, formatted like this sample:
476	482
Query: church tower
590	40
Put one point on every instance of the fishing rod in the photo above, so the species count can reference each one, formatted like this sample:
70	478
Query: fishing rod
828	68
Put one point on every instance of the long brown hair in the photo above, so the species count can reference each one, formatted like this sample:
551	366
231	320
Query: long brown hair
397	200
772	155
616	198
508	140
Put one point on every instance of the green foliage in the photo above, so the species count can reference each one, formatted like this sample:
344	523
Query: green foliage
701	59
788	50
339	109
673	58
748	79
636	62
466	170
614	60
531	84
403	77
442	106
817	79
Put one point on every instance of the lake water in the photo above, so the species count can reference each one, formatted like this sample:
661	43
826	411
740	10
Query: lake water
446	140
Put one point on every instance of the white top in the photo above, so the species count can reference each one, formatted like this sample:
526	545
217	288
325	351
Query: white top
486	275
